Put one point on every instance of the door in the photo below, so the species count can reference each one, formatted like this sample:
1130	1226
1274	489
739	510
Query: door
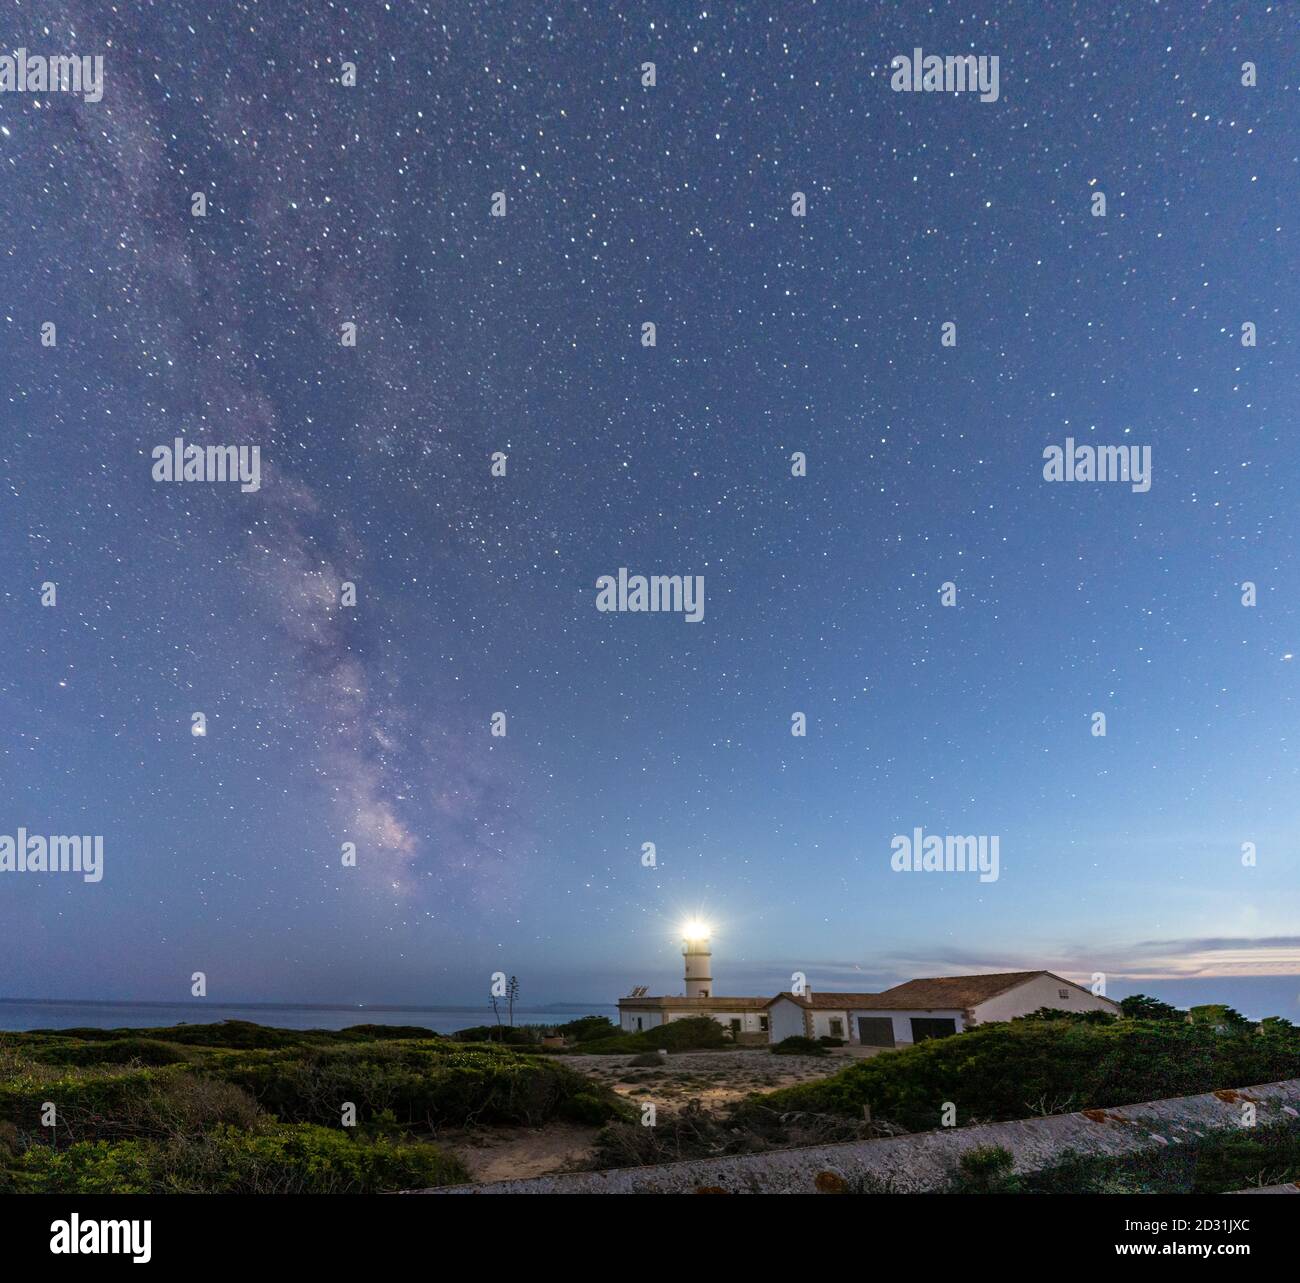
932	1027
875	1031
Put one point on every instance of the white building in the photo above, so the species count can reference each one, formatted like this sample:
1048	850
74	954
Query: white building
930	1008
746	1018
906	1014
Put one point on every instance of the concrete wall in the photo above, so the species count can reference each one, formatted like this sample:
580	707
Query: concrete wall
649	1019
903	1021
925	1160
787	1019
1042	991
750	1021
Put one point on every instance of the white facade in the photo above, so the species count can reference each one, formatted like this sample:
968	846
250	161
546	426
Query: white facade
1045	990
750	1022
900	1026
787	1019
791	1018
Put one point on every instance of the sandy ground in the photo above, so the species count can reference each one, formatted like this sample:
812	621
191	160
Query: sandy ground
508	1153
715	1078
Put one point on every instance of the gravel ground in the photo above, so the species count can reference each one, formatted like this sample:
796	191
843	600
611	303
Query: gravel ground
711	1077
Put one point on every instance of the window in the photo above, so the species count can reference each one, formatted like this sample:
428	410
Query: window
704	993
837	1028
762	1023
1062	993
735	1026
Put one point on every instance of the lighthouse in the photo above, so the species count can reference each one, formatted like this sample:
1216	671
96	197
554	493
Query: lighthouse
699	957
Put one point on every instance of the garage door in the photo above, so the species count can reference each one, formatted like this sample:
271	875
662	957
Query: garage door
931	1027
875	1031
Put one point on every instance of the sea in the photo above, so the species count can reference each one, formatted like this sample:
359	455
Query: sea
18	1014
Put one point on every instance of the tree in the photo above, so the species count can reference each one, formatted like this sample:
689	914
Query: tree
1139	1006
1225	1019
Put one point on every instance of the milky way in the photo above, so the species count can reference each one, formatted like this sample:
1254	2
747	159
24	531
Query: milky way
874	310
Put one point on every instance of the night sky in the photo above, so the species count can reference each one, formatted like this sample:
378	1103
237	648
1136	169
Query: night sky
372	205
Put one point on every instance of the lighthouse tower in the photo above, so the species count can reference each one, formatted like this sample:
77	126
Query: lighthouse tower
699	957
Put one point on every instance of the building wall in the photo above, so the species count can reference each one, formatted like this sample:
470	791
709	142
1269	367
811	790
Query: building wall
1042	991
821	1021
902	1021
649	1019
750	1021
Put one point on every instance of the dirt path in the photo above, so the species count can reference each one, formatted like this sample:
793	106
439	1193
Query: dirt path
507	1153
714	1078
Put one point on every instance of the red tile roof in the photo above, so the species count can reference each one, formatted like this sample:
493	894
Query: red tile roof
937	993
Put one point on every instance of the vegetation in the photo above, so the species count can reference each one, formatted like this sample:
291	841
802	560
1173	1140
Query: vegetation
692	1033
1034	1066
1139	1006
797	1045
241	1108
1217	1164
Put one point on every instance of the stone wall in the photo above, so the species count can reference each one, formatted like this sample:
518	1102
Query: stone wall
925	1160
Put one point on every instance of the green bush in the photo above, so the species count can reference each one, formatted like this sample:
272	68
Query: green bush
986	1169
88	1167
116	1051
422	1084
87	1102
136	1103
1139	1006
277	1159
384	1033
692	1033
588	1029
798	1045
1026	1067
504	1035
1214	1164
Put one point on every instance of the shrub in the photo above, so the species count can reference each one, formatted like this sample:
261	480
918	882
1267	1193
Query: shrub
277	1159
1014	1070
588	1029
384	1033
986	1169
1078	1017
1139	1006
88	1103
422	1085
693	1033
116	1051
88	1167
797	1045
502	1035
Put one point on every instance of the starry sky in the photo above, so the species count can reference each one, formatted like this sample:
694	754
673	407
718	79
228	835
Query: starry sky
371	204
